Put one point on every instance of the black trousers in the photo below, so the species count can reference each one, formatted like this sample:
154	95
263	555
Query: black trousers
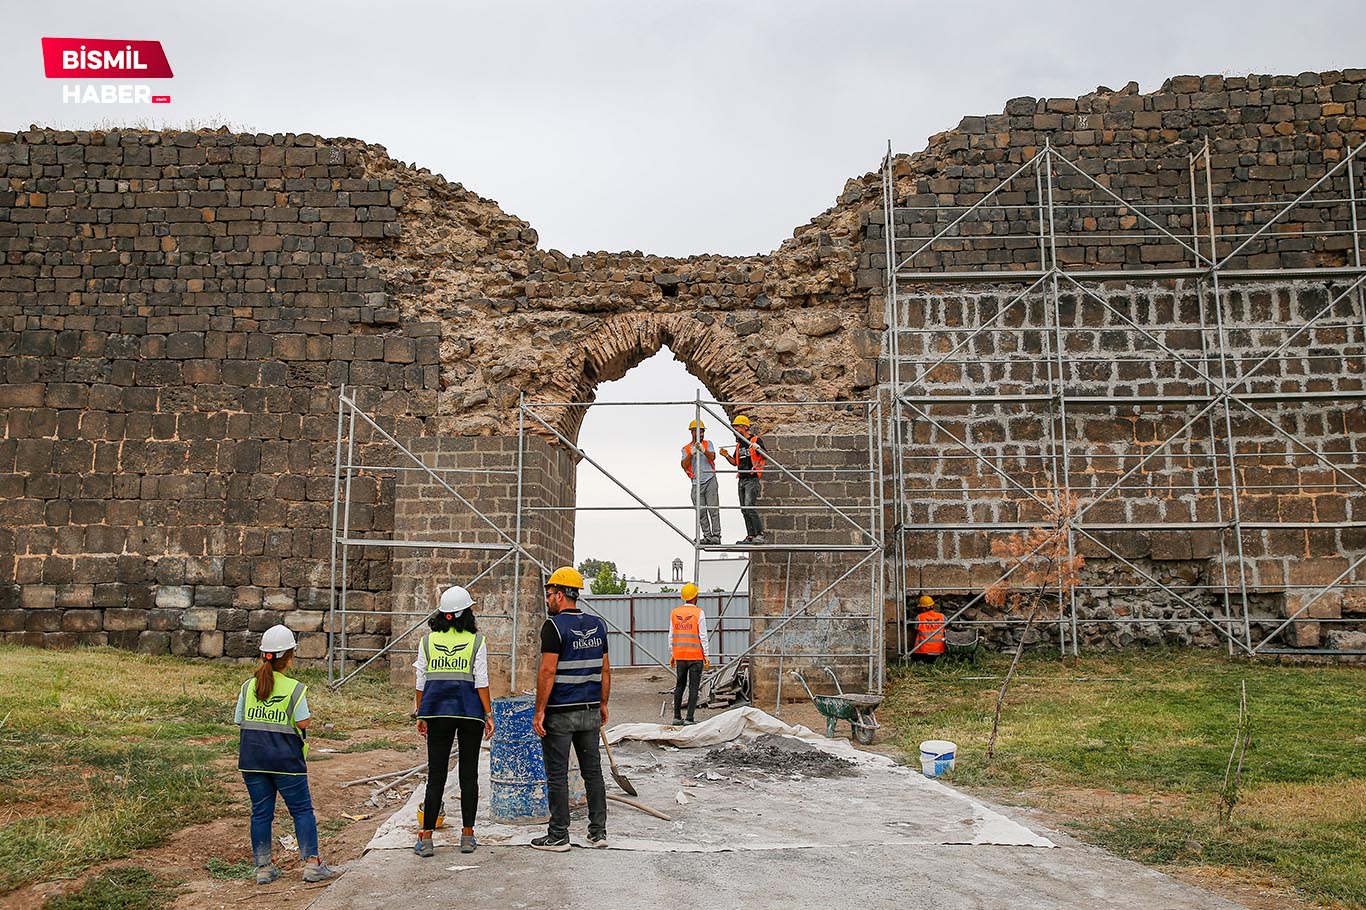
690	675
749	502
442	732
580	729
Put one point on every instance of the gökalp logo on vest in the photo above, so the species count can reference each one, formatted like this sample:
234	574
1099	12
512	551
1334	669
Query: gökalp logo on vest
587	638
85	65
270	710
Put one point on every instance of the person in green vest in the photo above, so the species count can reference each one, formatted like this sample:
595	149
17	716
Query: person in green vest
452	707
272	711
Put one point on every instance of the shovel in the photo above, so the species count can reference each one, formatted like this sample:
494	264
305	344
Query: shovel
617	776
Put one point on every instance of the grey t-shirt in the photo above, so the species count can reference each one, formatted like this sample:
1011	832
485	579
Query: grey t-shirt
701	465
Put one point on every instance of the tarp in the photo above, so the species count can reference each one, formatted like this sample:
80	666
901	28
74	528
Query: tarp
723	809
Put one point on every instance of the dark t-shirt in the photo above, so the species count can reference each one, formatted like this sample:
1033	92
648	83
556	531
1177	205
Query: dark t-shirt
745	459
550	644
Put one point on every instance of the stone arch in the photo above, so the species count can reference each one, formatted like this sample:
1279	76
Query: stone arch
619	343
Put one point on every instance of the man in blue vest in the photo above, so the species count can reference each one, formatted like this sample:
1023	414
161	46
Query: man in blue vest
572	688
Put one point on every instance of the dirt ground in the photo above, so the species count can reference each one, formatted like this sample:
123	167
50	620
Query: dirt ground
637	696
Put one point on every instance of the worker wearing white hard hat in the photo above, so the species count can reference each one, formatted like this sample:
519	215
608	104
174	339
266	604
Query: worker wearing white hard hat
452	708
272	711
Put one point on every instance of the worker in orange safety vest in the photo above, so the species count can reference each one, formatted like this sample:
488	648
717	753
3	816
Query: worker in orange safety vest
699	463
687	651
929	632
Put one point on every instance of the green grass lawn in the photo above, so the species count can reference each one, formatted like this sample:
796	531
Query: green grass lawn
1131	750
103	752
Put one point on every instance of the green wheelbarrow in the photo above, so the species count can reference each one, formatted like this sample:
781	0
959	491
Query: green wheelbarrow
859	710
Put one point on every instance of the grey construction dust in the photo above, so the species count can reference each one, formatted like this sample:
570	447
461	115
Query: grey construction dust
776	755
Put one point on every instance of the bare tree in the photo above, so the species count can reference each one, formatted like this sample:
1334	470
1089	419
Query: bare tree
1040	567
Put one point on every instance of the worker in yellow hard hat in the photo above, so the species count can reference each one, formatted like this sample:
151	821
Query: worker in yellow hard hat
699	463
572	688
929	631
687	651
749	461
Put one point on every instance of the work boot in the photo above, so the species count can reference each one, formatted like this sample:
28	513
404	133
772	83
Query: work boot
424	846
315	871
467	843
553	844
266	874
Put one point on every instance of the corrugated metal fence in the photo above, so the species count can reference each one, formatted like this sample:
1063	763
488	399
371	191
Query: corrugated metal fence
646	617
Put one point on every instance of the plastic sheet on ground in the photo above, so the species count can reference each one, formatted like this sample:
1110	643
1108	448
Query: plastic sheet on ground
723	808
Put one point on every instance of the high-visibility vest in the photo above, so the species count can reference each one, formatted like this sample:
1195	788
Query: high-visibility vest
270	742
757	460
708	452
578	674
450	691
929	633
685	632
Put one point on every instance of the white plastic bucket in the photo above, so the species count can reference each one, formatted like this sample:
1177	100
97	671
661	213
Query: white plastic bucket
936	756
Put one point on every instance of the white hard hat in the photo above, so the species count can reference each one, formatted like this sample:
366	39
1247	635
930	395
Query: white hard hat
277	640
455	599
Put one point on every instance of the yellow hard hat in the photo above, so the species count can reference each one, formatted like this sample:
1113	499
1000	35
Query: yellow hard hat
566	577
740	421
925	601
697	425
689	591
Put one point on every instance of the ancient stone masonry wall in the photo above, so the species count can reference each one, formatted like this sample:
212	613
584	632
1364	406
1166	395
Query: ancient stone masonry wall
177	311
1154	340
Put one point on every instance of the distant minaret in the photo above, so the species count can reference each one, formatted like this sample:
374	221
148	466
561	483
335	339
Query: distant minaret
659	576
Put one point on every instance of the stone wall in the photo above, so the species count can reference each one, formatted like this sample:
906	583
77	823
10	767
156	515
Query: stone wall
177	310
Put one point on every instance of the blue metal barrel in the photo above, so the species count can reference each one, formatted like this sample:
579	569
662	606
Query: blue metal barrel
516	765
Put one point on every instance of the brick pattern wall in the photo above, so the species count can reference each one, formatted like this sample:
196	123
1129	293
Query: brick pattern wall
174	311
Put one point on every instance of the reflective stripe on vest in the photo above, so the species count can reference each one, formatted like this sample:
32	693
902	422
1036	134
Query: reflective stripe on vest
450	690
708	452
270	742
685	638
757	460
578	673
929	633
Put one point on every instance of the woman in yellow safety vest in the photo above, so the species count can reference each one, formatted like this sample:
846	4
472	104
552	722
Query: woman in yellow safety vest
453	707
272	711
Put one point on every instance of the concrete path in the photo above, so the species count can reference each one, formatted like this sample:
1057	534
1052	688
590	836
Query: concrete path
879	838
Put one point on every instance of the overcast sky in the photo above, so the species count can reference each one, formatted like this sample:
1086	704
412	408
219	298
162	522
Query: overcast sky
671	128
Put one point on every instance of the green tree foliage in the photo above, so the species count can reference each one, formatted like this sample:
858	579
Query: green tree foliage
607	581
591	567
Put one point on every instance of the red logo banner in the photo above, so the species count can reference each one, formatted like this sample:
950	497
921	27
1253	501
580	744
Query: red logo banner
104	58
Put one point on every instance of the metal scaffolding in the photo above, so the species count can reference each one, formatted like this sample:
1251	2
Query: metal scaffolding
365	450
1060	327
860	521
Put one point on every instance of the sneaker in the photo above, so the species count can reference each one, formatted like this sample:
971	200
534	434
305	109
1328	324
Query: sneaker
598	843
758	539
553	844
317	872
424	846
689	722
266	874
677	722
467	843
747	540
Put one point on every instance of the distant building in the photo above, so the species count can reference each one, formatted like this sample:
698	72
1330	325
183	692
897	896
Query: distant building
716	572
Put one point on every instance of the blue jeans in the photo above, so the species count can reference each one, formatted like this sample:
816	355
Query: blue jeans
579	729
294	788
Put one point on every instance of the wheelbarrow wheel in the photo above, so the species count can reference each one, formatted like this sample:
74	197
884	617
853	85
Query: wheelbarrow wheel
865	727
